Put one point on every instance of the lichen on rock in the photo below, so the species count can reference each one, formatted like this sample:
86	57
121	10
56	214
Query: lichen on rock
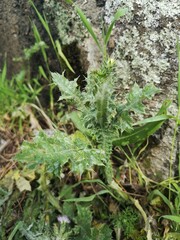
146	38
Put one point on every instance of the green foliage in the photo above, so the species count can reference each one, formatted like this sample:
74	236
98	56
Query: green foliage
29	52
104	119
172	205
4	196
68	88
59	149
127	221
120	13
107	34
56	44
102	116
15	93
88	26
21	231
83	226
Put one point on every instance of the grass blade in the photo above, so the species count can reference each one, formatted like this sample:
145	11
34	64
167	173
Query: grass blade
87	199
44	23
120	12
172	218
153	119
4	73
55	44
16	228
139	134
88	26
38	39
164	198
61	54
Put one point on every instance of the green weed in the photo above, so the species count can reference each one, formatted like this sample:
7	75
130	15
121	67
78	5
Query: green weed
74	189
15	95
102	121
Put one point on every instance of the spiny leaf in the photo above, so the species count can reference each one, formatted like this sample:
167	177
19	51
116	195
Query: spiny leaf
139	134
57	150
68	88
83	220
149	91
78	123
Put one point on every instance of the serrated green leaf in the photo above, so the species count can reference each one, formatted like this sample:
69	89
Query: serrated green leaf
101	100
149	91
68	88
57	150
137	95
134	100
101	232
125	122
83	220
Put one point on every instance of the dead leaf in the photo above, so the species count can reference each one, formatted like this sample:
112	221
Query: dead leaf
23	184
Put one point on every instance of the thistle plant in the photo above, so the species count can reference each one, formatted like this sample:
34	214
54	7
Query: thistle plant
102	120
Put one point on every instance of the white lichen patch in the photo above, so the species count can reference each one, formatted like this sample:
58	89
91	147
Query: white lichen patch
146	38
